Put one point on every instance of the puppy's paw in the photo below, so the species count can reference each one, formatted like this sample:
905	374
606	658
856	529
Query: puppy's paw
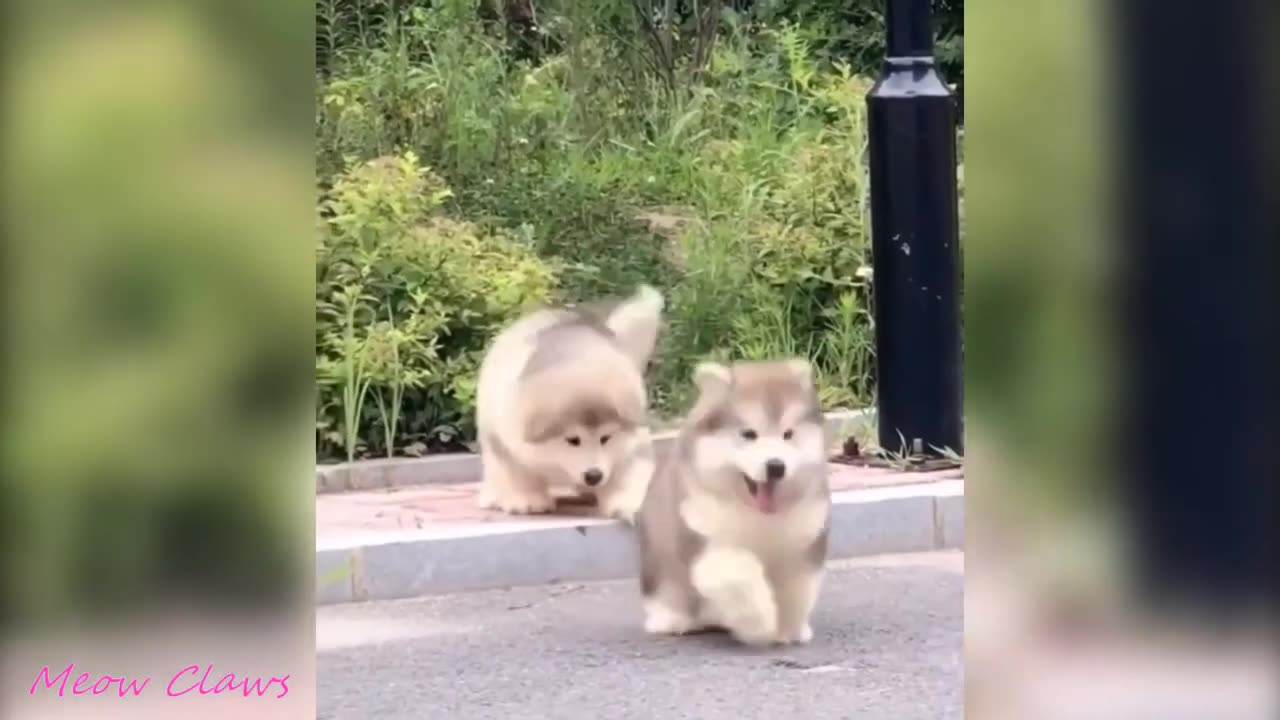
621	499
796	636
761	636
619	508
745	618
530	506
662	620
520	504
621	514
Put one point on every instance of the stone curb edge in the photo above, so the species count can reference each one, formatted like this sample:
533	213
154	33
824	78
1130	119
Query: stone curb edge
455	468
864	522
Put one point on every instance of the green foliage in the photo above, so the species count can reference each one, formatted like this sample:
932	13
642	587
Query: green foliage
853	31
406	297
728	170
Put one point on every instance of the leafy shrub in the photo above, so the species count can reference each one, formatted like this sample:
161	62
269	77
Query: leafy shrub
732	174
406	300
853	31
776	264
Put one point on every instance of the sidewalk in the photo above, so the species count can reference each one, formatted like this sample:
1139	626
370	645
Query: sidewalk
432	539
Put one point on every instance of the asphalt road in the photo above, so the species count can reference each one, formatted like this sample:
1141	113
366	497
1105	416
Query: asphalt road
887	645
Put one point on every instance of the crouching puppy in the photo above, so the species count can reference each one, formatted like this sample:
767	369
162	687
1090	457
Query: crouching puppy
561	403
733	530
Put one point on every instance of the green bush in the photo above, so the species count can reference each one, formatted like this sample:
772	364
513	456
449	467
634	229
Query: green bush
729	172
853	31
406	299
777	270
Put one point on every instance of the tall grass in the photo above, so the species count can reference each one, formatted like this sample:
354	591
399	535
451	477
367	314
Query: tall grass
738	185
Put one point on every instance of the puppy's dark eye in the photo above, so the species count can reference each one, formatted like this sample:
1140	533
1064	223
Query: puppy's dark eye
604	439
787	435
574	441
749	435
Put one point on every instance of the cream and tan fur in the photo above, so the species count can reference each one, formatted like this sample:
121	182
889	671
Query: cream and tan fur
733	530
561	403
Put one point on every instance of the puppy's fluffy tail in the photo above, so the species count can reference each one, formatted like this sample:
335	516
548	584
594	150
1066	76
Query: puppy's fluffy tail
636	323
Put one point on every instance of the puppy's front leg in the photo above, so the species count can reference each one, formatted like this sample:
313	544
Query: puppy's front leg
737	595
623	495
506	486
664	616
797	592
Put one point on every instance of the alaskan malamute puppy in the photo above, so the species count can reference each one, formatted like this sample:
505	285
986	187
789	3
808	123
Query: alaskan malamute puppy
561	402
733	530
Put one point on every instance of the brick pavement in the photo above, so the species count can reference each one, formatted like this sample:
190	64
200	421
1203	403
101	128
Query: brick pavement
407	508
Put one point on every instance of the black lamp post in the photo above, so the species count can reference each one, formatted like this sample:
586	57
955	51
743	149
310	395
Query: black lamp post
915	241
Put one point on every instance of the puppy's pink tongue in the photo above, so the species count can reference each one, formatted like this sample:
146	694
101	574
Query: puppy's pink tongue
764	499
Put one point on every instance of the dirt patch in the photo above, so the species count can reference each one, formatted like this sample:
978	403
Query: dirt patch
669	224
852	454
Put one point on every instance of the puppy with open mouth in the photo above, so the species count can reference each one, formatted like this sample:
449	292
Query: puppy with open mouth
733	529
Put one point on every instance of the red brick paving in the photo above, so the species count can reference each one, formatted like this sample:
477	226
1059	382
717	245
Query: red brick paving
415	507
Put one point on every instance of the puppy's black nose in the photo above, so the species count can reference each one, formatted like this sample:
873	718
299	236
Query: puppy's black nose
592	477
774	470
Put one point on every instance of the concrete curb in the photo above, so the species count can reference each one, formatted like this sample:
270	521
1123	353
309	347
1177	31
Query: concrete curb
465	467
477	556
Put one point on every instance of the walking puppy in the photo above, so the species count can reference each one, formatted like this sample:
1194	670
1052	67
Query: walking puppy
561	402
733	530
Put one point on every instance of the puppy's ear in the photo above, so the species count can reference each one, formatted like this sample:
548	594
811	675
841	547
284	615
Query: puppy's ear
540	426
801	370
631	405
712	378
713	381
